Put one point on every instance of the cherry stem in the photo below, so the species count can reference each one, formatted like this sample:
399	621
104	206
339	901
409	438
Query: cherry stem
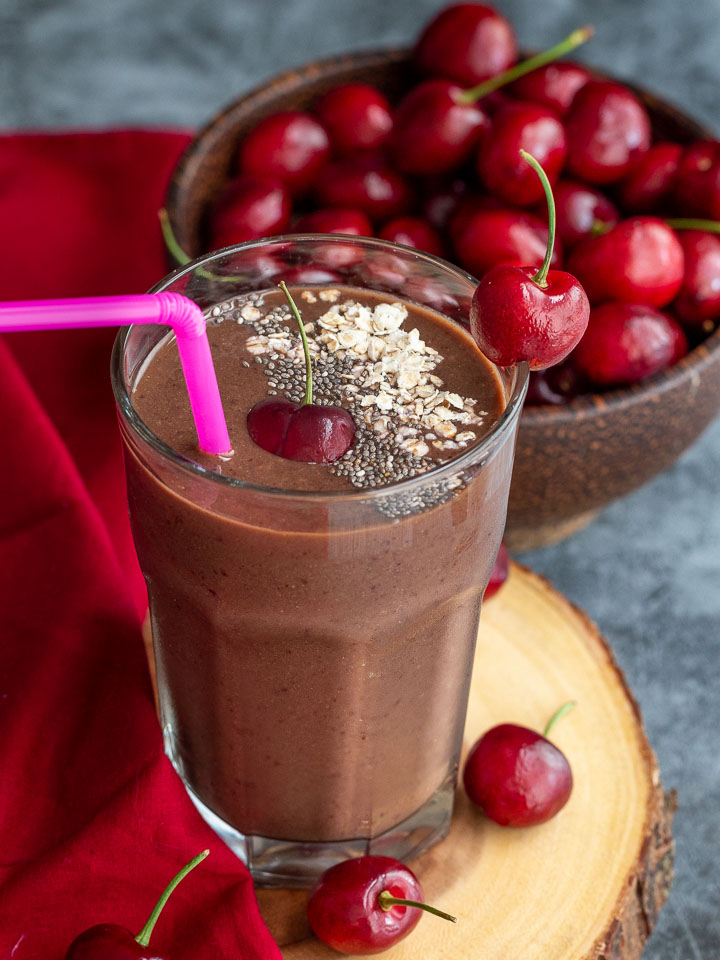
177	252
387	900
306	348
558	715
576	39
143	938
540	277
687	223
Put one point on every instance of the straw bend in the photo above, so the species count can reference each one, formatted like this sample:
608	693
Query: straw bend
177	311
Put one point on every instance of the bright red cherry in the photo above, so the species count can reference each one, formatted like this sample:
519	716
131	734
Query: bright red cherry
357	117
638	261
519	313
521	126
627	342
491	237
697	306
366	905
553	85
697	181
499	572
336	220
413	232
435	131
466	42
607	128
310	273
109	941
291	146
581	212
365	183
650	179
517	777
249	207
304	431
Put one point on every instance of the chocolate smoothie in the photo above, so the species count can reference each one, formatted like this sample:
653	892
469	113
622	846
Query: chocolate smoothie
314	624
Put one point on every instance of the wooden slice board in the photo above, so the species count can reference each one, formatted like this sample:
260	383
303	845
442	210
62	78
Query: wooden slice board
589	884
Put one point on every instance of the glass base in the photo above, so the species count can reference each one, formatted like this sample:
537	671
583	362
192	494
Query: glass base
285	863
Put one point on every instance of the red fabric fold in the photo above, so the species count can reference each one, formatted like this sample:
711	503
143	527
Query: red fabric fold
93	820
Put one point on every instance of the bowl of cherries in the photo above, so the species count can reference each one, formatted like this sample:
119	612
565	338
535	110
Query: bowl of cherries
422	146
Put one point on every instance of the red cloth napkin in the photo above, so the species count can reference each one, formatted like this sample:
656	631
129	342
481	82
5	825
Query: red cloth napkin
93	820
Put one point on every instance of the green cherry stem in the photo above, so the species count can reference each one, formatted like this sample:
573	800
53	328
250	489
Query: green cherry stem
540	277
180	256
576	39
690	223
143	938
558	715
387	900
306	347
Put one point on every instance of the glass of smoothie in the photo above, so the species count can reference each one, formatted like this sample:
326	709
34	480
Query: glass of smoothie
314	624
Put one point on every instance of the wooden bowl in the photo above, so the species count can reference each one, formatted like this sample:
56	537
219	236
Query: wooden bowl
571	460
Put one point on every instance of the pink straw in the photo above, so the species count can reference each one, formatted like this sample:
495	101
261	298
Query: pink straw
167	309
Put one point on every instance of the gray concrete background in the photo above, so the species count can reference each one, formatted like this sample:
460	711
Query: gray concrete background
648	570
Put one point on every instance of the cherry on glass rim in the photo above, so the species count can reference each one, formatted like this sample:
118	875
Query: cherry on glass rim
364	906
516	776
309	432
110	941
519	314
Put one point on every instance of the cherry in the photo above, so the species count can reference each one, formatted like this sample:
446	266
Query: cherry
554	386
520	314
311	273
499	572
357	117
437	123
697	305
530	127
291	146
413	232
491	237
607	128
366	905
627	342
516	776
249	207
301	431
553	85
650	178
697	181
471	204
365	183
109	941
638	261
581	211
466	42
336	220
441	200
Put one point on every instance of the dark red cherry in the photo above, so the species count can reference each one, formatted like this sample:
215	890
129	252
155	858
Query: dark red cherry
441	199
553	85
354	907
581	212
697	181
521	126
492	237
356	116
517	777
638	261
554	386
697	305
413	232
308	432
249	207
499	572
365	183
434	130
466	42
651	179
607	128
627	342
291	146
